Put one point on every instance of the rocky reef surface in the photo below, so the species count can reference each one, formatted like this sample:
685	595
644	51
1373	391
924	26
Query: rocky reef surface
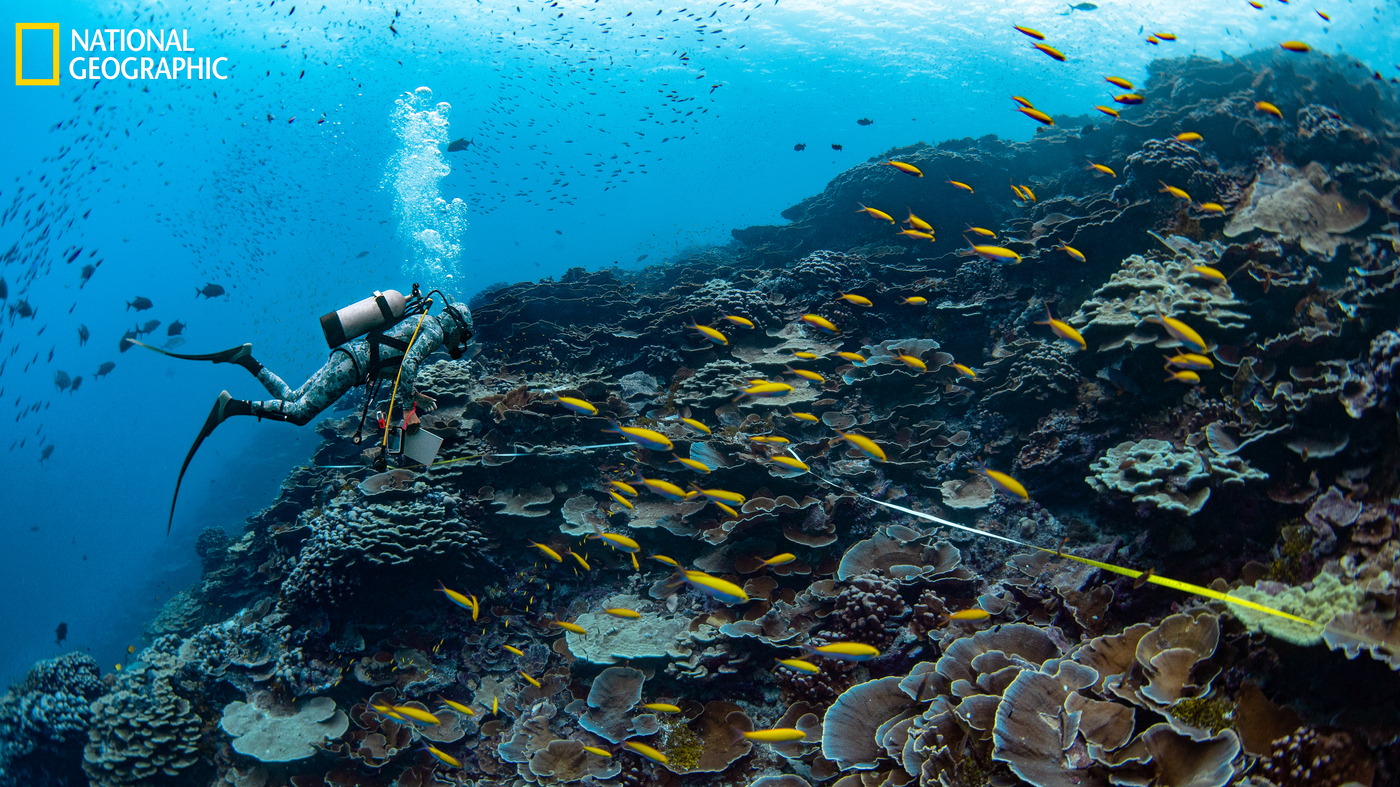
317	640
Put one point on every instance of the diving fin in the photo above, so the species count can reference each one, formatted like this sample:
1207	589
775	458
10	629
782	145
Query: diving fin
232	355
216	417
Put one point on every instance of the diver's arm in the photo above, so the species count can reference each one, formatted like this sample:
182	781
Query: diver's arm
429	339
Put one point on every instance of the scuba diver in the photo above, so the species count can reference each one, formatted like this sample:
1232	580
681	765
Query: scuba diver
391	349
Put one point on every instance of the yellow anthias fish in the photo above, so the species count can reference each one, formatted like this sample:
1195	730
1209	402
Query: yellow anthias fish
996	254
970	614
820	322
567	626
1131	99
696	425
513	649
961	185
912	362
1051	51
1212	207
1191	361
416	714
387	710
1030	195
699	467
624	487
1183	376
550	553
765	390
1102	168
668	561
1180	331
918	223
598	751
742	322
1167	36
879	214
1189	136
852	357
721	495
779	560
801	665
986	233
1110	111
580	559
1073	252
617	541
532	681
908	169
577	405
621	612
495	705
1120	82
808	417
1030	31
776	735
1174	191
912	300
920	234
1036	115
624	501
787	461
663	707
722	589
1002	482
1209	272
865	445
461	600
965	371
726	509
1325	17
846	651
807	374
804	355
665	489
1023	101
1295	46
1266	107
457	706
646	751
1063	330
710	333
769	438
442	756
646	438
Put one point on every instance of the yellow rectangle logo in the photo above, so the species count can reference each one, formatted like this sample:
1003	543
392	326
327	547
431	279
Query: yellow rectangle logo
20	27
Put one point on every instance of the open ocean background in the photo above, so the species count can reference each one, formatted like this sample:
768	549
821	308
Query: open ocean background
203	181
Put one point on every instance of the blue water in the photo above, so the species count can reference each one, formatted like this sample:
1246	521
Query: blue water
191	182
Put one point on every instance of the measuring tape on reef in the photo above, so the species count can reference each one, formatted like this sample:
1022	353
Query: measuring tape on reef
1184	587
472	457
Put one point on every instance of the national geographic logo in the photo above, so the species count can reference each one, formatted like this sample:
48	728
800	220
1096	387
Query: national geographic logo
114	62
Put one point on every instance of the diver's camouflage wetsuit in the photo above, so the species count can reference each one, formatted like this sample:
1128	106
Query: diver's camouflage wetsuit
349	366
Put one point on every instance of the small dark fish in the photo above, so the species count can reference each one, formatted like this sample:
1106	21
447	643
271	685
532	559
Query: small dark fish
558	232
835	146
140	304
865	121
362	254
176	328
61	379
125	343
150	325
88	270
75	254
50	358
61	632
460	144
1084	7
23	309
639	259
77	383
4	290
83	335
48	452
799	147
209	291
105	369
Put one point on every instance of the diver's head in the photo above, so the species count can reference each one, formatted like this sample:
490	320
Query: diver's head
457	326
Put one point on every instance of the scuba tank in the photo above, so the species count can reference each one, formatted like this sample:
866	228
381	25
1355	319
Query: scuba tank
359	318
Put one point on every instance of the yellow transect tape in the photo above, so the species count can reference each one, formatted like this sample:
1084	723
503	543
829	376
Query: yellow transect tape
1185	587
389	419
